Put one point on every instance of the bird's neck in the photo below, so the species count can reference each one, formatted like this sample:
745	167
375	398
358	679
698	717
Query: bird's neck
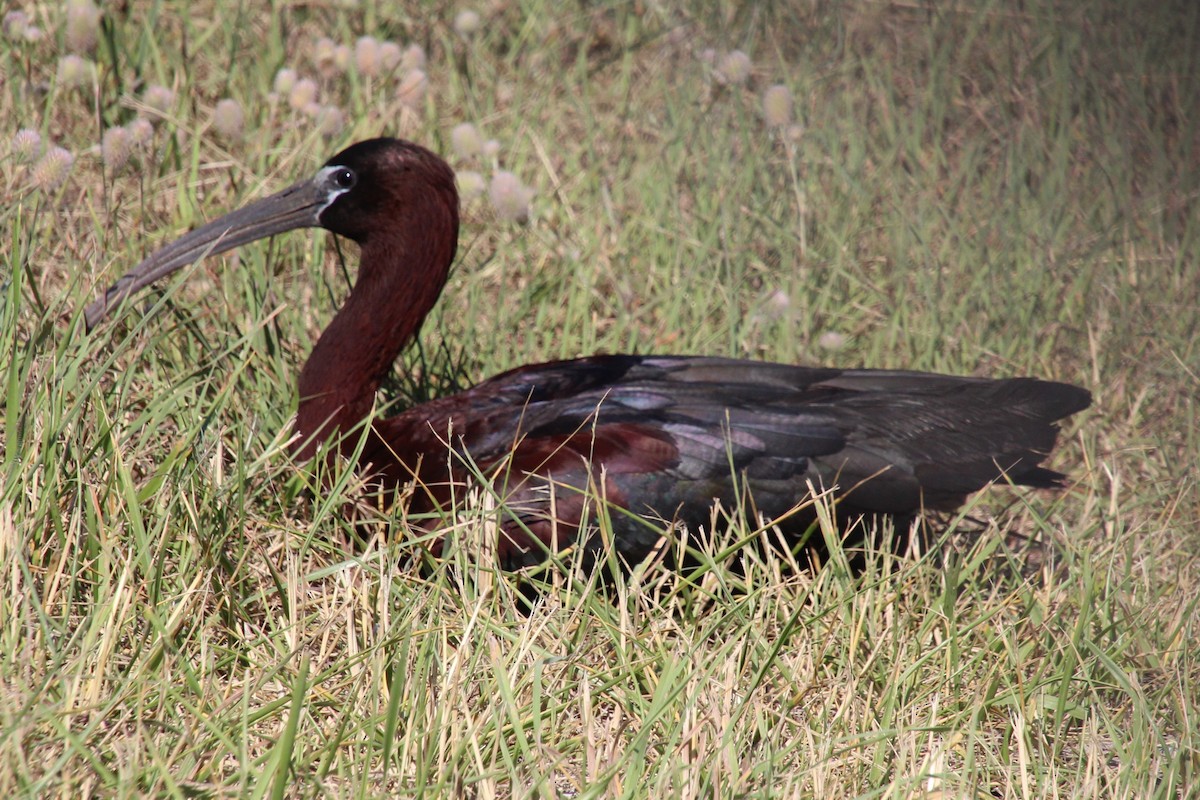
398	283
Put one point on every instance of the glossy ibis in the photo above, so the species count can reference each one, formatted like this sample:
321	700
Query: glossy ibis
660	438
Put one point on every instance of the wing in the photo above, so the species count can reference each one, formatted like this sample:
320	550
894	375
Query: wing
665	437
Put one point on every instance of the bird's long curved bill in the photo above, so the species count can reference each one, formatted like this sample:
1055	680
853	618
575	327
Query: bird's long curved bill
297	206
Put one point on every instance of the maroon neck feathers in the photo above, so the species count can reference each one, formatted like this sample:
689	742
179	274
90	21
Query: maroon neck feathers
406	256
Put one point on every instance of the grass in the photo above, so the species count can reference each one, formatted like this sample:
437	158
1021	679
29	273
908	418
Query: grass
971	188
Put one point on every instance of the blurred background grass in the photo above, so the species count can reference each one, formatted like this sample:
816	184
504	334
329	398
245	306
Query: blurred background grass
974	188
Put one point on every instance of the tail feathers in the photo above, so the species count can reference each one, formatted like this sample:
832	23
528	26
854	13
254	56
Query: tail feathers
939	441
1046	401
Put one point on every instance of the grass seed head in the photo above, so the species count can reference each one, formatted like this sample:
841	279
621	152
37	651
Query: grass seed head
83	26
510	197
777	106
324	52
229	120
141	130
330	121
75	71
466	141
14	24
412	89
51	171
158	100
778	303
832	341
116	146
366	55
735	68
470	184
390	55
414	58
16	27
302	93
285	79
467	23
26	146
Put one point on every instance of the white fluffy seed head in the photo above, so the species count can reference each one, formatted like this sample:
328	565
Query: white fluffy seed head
778	302
285	79
465	140
832	341
467	23
82	29
141	130
330	121
735	68
390	55
52	169
26	146
366	55
412	89
510	198
14	24
158	99
324	51
470	184
75	71
413	58
303	92
116	146
777	106
229	121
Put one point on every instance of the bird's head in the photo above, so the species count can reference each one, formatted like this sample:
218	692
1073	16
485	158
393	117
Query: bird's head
373	189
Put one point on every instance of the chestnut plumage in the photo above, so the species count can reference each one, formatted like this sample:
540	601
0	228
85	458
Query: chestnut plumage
659	438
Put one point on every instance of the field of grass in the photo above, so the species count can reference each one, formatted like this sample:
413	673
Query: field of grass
976	187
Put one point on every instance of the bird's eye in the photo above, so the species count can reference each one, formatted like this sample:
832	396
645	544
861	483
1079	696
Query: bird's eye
344	178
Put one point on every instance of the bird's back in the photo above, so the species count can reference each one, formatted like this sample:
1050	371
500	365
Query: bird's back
663	438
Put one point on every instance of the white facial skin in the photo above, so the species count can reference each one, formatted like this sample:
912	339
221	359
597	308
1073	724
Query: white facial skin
336	180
